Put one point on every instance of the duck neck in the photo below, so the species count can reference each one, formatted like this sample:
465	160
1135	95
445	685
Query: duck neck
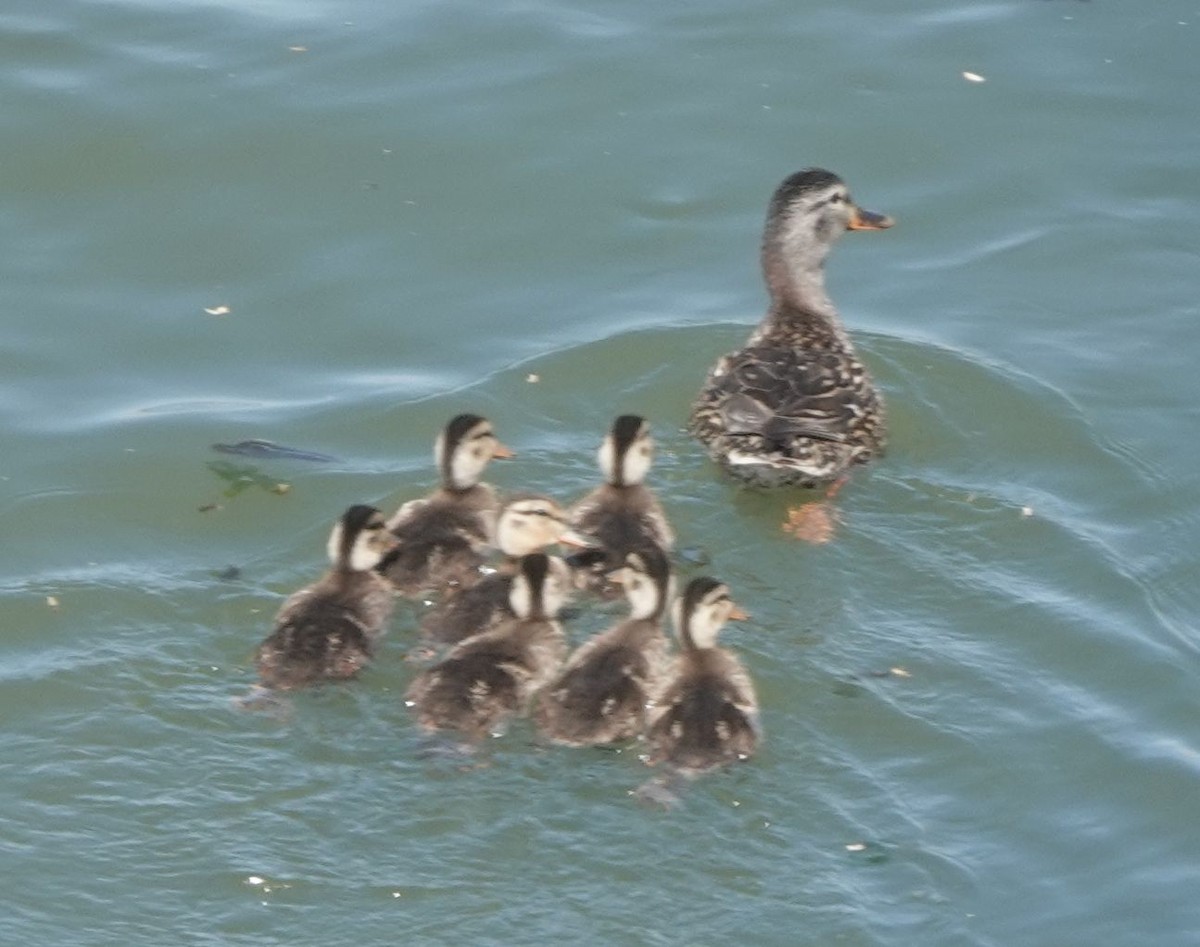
795	275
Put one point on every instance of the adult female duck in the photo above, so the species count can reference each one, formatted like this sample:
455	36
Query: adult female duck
795	405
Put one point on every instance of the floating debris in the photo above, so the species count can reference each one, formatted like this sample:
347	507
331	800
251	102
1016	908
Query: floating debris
218	311
243	478
52	601
1027	511
209	507
856	847
973	77
297	49
532	378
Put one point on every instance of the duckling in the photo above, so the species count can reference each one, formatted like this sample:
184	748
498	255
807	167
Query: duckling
442	537
601	694
489	677
526	524
795	405
328	630
622	514
705	714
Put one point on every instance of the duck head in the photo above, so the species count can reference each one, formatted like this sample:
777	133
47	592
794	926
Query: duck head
528	524
702	611
360	540
646	579
627	451
464	449
808	212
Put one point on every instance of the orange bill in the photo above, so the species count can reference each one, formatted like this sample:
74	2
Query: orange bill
868	220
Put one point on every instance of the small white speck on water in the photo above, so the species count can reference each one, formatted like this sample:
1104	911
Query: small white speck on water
1027	511
255	880
736	803
218	310
52	601
532	378
856	847
973	77
395	894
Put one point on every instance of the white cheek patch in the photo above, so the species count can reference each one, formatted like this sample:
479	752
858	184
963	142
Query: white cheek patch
555	592
334	546
642	595
638	461
705	625
467	466
520	599
608	459
365	554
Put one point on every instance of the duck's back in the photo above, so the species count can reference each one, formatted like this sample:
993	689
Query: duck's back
707	715
488	677
324	640
470	692
469	611
440	542
622	519
813	409
601	695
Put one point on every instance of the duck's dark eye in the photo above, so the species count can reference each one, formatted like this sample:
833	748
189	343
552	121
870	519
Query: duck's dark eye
837	198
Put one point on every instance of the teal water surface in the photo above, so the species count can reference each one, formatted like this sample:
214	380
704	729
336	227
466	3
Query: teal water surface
334	225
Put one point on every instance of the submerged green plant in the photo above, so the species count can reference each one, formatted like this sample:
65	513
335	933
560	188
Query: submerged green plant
242	478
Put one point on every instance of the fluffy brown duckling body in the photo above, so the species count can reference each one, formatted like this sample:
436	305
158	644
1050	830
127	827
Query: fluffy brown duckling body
705	712
600	695
526	524
491	677
621	515
442	539
327	631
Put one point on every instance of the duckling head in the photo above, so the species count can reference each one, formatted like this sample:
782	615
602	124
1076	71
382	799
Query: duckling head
627	451
528	524
808	212
702	611
464	449
646	579
541	586
360	539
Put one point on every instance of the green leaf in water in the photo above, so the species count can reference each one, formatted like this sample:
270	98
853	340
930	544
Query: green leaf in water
241	478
